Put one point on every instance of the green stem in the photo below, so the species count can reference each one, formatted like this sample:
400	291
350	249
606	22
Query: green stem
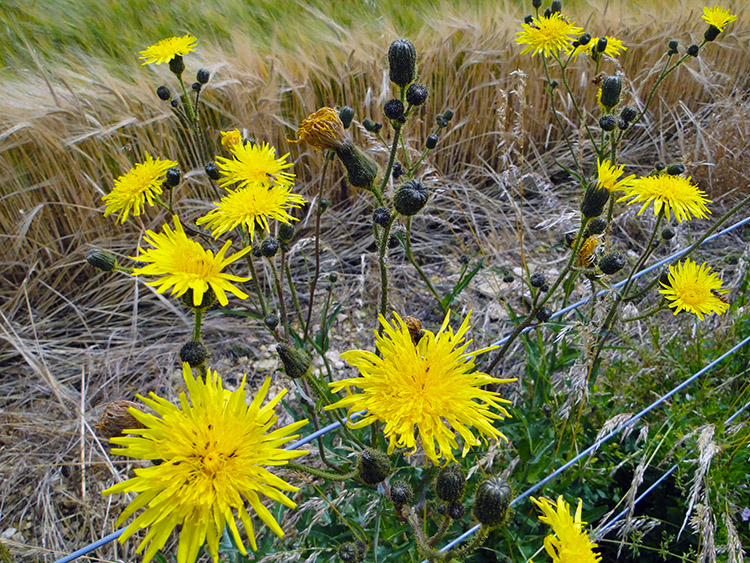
382	261
327	475
188	104
197	325
278	281
420	271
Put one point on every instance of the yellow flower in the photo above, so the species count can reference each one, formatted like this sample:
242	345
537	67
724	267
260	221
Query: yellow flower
717	17
253	163
230	138
251	207
141	184
184	264
211	452
695	289
669	194
167	49
570	542
547	35
613	49
587	253
430	386
608	175
322	130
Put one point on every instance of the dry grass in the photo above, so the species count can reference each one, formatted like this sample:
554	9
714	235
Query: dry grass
73	339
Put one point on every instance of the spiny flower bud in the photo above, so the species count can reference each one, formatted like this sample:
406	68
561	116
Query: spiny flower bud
372	126
456	510
174	103
432	141
381	216
101	259
673	45
269	247
115	418
492	502
402	62
537	279
163	93
297	363
450	483
373	466
612	263
448	114
607	122
611	88
271	320
416	94
196	86
667	233
675	169
594	200
285	232
173	176
693	50
394	109
410	197
346	114
401	493
544	314
348	553
596	227
212	171
628	113
176	65
202	76
536	3
361	169
194	353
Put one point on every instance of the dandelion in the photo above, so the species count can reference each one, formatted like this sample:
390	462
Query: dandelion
668	193
183	264
322	130
212	452
140	185
254	164
430	385
230	138
569	541
167	49
608	176
717	17
251	207
547	35
613	49
695	289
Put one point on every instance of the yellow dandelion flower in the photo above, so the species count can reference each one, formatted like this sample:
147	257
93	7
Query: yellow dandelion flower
251	207
213	452
668	193
322	130
230	138
695	289
614	47
587	253
253	163
608	176
430	386
140	185
184	264
548	36
167	49
569	541
718	17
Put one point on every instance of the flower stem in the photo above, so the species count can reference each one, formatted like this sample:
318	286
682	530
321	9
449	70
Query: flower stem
327	475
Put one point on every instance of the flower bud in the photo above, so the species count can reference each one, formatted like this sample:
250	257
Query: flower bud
101	259
163	93
508	278
675	169
269	247
492	502
544	314
594	200
212	171
584	39
528	20
196	86
628	114
711	33
401	493
596	227
402	62
416	94
271	320
410	197
174	103
607	122
372	126
536	3
348	553
194	353
173	176
673	45
285	232
202	76
346	114
555	7
456	510
450	483
601	45
664	279
537	279
381	216
297	363
693	50
324	204
611	88
667	233
394	109
208	300
448	114
659	166
373	466
176	65
431	142
116	418
361	169
612	263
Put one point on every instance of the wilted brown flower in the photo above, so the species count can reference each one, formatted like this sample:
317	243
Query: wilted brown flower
115	418
322	130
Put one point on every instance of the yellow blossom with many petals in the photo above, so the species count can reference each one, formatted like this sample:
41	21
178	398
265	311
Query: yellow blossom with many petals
183	265
253	163
167	49
569	542
230	138
718	17
669	194
140	185
548	35
614	47
695	289
428	387
608	176
213	451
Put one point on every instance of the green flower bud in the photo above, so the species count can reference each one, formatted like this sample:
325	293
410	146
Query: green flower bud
555	7
537	279
611	89
629	114
285	232
456	510
176	65
607	122
394	109
194	353
402	62
450	483
101	259
372	126
271	320
492	502
209	299
693	50
269	247
297	363
361	169
173	176
163	93
212	171
667	233
381	216
202	76
675	169
612	263
417	94
346	114
410	197
401	493
348	553
373	466
596	227
544	314
594	200
432	141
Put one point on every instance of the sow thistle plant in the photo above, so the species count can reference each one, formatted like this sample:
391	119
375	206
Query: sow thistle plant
419	396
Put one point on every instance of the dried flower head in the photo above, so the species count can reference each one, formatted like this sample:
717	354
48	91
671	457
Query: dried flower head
322	130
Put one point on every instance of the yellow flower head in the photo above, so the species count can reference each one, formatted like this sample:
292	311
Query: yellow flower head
718	17
429	386
613	49
548	36
213	452
167	49
322	130
669	194
587	253
251	207
183	264
230	138
253	163
608	176
695	289
141	184
569	542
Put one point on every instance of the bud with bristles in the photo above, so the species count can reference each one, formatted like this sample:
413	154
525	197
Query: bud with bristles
401	493
373	466
675	169
361	169
194	353
202	76
492	502
596	227
269	247
402	62
612	263
212	171
271	320
450	483
416	94
297	363
611	89
594	200
286	232
163	93
346	114
410	197
176	65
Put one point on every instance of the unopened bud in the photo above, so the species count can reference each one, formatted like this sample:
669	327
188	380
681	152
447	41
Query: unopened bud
373	466
492	502
612	263
450	483
410	197
402	62
101	259
202	76
194	353
346	114
297	363
116	418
